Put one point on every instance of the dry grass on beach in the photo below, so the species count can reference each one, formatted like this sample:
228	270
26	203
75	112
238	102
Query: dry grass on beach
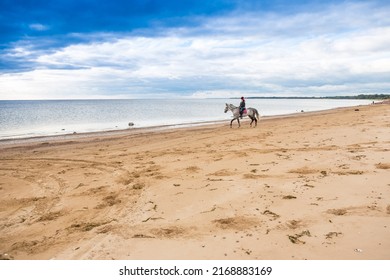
306	186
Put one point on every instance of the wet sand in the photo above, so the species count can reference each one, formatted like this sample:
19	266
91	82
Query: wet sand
305	186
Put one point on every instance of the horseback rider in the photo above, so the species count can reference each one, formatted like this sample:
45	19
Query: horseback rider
242	106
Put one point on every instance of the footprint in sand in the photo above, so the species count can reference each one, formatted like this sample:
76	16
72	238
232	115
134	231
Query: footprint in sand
294	224
141	235
364	210
303	170
86	226
222	173
254	176
51	216
109	201
337	212
169	232
192	169
289	197
125	178
236	223
271	214
382	165
296	237
332	234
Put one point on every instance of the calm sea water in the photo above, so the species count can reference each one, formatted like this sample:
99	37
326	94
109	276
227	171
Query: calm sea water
20	119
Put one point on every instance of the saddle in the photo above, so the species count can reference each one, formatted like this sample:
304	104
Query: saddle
244	111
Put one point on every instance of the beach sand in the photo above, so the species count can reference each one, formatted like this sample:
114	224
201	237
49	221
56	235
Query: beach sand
305	186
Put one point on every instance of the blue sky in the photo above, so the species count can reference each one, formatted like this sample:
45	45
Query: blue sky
167	49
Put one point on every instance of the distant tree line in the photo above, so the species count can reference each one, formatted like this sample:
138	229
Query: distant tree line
360	96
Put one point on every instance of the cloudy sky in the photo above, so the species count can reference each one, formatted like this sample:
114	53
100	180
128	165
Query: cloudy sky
67	49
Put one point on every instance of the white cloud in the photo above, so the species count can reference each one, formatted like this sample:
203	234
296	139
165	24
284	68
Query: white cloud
335	51
38	27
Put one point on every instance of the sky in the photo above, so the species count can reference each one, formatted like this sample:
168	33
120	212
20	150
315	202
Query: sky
89	49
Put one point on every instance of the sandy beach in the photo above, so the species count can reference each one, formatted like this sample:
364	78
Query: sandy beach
305	186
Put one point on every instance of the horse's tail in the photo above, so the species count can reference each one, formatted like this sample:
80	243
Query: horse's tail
256	113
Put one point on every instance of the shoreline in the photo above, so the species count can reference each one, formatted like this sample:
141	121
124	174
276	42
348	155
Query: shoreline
303	186
135	130
65	130
101	134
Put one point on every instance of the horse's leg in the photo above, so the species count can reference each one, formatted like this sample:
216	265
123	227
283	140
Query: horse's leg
238	120
251	121
255	121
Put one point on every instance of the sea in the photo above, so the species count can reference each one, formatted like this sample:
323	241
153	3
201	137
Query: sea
37	118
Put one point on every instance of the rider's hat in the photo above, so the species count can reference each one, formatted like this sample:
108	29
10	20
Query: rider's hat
242	97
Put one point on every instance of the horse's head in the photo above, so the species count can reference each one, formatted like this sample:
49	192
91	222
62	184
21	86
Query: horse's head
226	108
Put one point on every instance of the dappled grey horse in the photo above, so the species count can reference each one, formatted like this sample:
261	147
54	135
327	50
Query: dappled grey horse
250	112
